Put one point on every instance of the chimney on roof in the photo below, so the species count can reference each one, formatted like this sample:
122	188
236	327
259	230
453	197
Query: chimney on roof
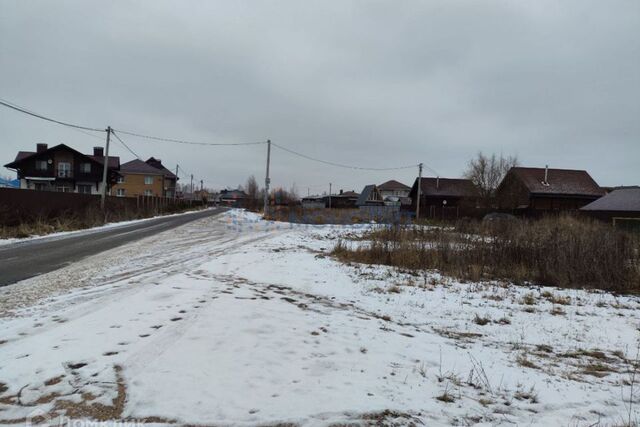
437	182
41	147
546	175
341	191
98	151
156	163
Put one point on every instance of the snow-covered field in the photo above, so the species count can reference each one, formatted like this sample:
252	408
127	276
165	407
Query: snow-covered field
231	320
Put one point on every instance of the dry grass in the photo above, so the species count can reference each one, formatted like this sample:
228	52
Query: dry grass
559	251
481	320
72	220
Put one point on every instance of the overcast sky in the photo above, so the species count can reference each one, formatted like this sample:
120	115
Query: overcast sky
365	83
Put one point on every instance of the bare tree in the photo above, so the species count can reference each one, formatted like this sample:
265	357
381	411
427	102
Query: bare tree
253	193
487	172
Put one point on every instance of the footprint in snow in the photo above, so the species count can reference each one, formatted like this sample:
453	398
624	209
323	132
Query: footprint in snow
157	326
143	335
175	319
110	353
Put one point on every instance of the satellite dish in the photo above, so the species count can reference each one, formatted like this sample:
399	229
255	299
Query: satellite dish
49	161
444	202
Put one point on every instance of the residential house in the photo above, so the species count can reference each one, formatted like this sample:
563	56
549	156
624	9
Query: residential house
620	207
233	198
394	189
444	198
170	179
138	178
537	190
370	196
342	200
62	168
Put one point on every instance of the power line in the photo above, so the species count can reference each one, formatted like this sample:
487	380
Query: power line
125	145
40	116
340	165
182	141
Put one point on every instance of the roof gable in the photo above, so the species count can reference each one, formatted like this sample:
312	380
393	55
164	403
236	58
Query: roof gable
446	187
393	185
369	193
138	166
559	181
157	164
113	161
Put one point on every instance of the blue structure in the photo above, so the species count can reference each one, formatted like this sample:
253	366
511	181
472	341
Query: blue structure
5	183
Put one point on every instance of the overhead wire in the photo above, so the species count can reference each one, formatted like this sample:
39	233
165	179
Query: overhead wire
40	116
183	141
125	144
341	165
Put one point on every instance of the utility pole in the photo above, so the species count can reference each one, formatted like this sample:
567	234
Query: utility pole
105	166
201	186
191	187
175	190
267	180
329	195
419	185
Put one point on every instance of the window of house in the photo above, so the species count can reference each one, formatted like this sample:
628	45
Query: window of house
120	192
148	193
64	189
41	165
120	179
64	170
148	180
84	188
85	167
40	186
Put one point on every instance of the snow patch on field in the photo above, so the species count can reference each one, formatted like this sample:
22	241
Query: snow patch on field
236	320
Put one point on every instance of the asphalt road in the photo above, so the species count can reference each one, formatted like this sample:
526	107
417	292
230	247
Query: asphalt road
19	261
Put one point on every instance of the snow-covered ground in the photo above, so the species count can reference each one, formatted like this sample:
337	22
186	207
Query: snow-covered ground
231	320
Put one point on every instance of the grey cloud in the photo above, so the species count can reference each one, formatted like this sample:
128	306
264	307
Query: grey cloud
376	83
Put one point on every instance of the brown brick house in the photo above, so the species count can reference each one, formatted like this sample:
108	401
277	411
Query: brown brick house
62	168
137	178
170	179
536	190
444	198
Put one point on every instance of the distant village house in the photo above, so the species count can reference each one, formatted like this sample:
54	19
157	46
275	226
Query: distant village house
62	168
150	178
444	198
536	190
